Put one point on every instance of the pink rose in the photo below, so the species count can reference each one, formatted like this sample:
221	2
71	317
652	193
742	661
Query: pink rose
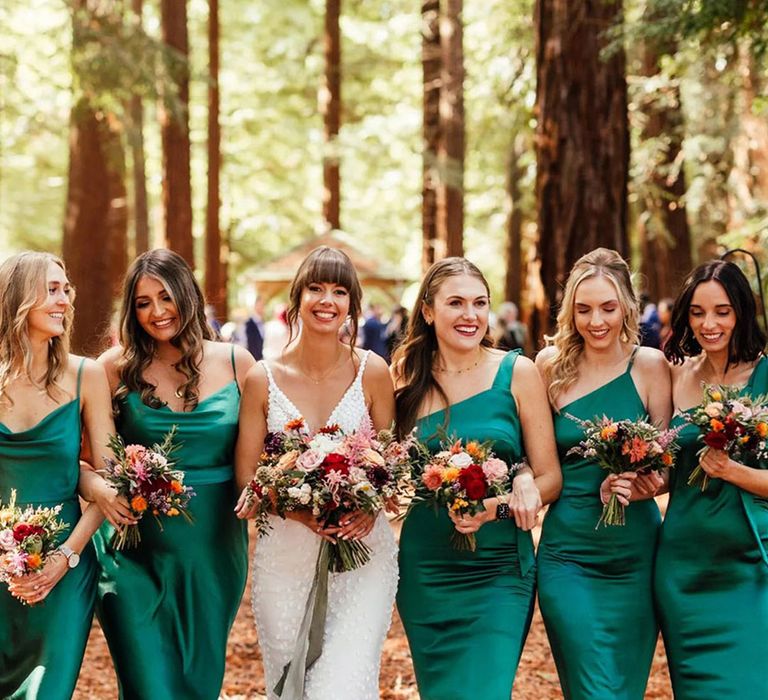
309	460
7	540
495	470
288	461
433	477
135	453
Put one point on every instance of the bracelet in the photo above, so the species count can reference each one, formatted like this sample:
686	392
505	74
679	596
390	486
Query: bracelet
502	511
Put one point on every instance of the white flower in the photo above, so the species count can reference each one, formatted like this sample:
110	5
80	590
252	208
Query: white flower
741	410
364	487
460	460
713	409
302	494
7	541
325	444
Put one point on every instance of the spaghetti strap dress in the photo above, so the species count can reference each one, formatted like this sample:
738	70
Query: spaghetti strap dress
167	606
467	614
595	585
711	580
42	646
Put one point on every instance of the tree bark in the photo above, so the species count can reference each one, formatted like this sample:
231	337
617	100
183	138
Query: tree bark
177	187
513	281
330	107
140	202
215	281
665	240
582	137
450	192
431	62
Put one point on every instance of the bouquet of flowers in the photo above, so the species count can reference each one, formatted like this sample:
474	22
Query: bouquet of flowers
330	474
145	477
459	477
625	446
731	422
28	536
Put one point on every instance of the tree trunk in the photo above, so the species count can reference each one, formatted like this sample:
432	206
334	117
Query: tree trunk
215	281
582	137
450	192
330	107
431	62
177	187
140	203
513	282
665	240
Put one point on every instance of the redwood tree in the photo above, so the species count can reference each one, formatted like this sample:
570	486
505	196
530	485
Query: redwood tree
330	106
582	136
140	205
177	188
431	62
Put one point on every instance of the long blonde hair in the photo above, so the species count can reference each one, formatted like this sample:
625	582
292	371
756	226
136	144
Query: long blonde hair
560	369
23	284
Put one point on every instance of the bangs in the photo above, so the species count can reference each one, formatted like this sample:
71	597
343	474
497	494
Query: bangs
329	266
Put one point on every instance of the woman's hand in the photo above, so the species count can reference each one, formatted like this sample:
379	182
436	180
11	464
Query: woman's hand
619	485
525	501
356	525
646	485
716	463
115	508
34	588
392	505
306	518
247	504
467	524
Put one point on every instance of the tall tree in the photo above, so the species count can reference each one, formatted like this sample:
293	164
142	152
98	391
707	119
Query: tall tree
431	62
582	136
330	106
95	222
215	277
513	280
177	186
138	160
450	192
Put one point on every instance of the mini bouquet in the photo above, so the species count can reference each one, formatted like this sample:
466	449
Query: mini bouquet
460	477
28	536
145	477
625	446
330	474
729	421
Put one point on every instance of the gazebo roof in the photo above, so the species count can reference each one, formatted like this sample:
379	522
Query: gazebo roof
273	277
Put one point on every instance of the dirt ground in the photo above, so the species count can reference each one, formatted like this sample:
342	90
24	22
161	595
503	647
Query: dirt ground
536	676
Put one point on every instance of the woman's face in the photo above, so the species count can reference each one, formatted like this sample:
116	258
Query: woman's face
46	319
597	313
324	307
155	310
711	317
459	313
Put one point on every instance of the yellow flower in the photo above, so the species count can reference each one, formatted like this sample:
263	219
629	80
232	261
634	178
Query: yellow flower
474	450
716	395
451	474
458	504
172	511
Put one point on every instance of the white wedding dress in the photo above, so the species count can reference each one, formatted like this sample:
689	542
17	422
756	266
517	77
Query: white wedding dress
359	602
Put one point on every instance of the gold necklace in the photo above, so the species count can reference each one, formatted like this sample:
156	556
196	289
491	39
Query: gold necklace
323	376
445	370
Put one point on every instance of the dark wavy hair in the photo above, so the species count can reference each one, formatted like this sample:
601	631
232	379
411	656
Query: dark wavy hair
748	339
176	276
333	266
415	356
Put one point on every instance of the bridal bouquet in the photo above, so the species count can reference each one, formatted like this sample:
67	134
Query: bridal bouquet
625	446
459	477
145	477
729	421
330	474
28	536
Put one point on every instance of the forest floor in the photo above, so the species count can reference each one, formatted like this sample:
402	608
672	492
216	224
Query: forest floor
244	680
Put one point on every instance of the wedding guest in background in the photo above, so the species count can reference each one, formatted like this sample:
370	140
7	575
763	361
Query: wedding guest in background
373	329
253	330
512	334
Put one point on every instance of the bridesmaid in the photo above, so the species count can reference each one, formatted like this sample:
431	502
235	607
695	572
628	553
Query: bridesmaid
595	584
167	606
711	578
47	397
467	614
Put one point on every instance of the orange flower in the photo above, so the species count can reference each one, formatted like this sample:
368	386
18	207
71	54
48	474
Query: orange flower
637	449
176	487
609	431
666	458
716	425
295	424
455	448
139	504
172	511
474	450
762	429
34	561
451	474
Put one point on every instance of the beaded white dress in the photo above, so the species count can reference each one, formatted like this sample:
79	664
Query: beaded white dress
359	602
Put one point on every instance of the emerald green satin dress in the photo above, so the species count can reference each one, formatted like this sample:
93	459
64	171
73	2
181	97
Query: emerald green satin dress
711	580
595	586
467	614
167	606
42	646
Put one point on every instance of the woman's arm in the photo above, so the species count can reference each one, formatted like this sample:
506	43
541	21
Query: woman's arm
253	426
377	384
718	465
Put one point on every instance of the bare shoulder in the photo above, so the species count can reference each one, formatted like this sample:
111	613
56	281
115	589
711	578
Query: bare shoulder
525	371
256	379
376	371
109	360
651	361
244	361
545	354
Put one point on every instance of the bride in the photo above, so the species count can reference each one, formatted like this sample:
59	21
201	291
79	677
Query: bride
325	382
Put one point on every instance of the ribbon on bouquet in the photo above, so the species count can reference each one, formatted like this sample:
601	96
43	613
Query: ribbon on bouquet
309	641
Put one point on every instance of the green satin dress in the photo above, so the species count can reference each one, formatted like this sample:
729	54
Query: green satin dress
42	646
595	586
711	580
467	614
167	606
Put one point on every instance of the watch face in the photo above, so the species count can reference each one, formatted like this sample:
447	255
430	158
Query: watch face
73	560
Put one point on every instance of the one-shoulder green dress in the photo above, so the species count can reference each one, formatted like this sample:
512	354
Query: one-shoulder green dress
42	646
167	606
595	585
467	614
711	580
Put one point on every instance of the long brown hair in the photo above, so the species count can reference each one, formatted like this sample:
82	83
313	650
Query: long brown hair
415	356
173	272
23	284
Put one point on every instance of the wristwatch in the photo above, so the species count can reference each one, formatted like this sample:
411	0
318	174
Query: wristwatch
73	558
502	511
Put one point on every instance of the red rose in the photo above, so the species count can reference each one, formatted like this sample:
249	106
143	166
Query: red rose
716	440
472	480
732	428
23	530
336	462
